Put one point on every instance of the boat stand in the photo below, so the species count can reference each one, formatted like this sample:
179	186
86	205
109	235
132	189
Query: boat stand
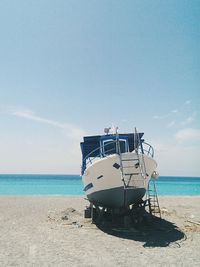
123	217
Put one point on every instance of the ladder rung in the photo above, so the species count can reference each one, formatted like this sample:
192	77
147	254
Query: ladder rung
153	208
129	159
125	167
132	173
155	211
153	199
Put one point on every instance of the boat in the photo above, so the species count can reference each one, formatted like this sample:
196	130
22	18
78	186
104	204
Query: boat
116	168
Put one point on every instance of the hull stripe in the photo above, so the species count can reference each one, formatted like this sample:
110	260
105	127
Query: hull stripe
88	186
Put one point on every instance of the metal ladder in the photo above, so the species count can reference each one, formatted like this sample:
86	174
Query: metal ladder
138	161
152	199
127	176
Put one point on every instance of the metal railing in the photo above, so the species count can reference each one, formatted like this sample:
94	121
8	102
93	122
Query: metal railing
144	148
89	159
148	149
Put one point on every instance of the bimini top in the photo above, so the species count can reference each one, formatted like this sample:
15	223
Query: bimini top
104	145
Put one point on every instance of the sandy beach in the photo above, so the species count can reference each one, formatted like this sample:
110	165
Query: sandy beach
51	231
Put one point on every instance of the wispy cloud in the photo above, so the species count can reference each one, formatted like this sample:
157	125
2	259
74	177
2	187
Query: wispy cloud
61	155
161	117
72	131
188	120
170	150
188	102
164	116
174	111
30	115
171	124
188	134
178	117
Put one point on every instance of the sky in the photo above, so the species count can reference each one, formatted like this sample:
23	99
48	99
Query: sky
70	68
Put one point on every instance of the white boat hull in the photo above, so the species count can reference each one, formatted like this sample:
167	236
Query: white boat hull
105	185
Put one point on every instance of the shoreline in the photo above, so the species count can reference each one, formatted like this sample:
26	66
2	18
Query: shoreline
52	231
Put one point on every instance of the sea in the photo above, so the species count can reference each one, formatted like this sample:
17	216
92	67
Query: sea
71	185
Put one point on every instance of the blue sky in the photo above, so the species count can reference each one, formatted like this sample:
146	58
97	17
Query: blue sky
70	68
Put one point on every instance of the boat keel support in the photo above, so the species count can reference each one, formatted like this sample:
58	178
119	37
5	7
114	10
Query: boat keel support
126	217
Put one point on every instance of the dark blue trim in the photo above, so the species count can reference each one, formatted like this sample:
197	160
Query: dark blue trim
88	186
99	177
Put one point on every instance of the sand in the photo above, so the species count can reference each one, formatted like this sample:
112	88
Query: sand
51	231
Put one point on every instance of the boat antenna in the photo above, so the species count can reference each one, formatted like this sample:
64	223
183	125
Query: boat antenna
114	129
136	140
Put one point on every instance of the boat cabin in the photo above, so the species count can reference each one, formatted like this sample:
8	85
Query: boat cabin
100	146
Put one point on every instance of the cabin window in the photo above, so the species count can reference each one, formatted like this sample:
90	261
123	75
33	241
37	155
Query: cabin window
123	148
110	147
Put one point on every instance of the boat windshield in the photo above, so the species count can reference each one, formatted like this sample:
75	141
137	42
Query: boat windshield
112	147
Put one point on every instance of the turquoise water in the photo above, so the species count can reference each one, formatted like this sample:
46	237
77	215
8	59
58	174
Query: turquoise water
72	185
41	185
168	185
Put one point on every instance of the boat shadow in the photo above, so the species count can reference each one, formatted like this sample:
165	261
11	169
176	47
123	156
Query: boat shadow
155	232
